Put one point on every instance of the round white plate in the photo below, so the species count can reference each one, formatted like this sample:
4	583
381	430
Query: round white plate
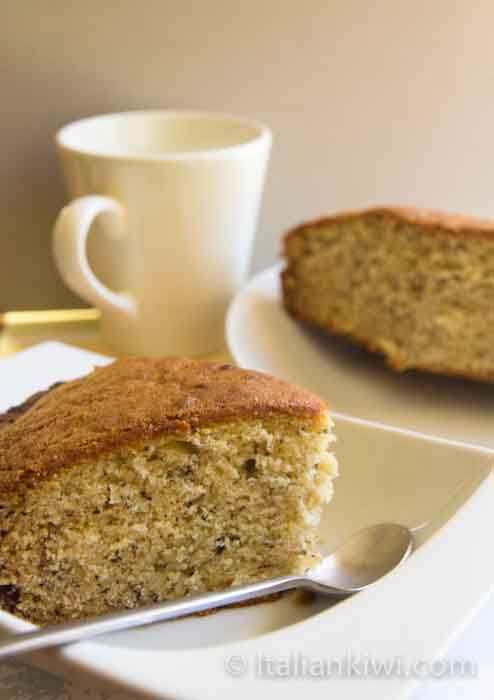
263	336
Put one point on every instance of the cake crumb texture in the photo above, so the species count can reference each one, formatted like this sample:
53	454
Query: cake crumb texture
416	286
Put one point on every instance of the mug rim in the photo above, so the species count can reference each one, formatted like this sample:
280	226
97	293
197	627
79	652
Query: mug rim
262	134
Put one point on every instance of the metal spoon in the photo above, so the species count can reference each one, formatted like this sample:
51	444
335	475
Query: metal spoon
357	564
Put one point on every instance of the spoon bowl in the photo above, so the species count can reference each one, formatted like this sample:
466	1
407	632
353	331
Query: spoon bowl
364	558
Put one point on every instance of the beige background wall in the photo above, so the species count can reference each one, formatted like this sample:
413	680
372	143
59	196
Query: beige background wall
386	101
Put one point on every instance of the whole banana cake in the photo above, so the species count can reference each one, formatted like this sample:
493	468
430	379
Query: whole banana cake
155	478
416	286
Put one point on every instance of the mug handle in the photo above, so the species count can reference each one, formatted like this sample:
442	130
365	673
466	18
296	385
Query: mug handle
69	248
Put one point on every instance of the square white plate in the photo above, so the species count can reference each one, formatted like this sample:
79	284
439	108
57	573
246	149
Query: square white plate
442	488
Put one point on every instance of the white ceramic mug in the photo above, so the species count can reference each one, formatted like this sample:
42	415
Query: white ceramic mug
183	189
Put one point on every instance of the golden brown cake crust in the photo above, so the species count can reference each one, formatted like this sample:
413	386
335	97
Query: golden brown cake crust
430	219
129	401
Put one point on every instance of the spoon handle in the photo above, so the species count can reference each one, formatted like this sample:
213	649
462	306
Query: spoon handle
56	635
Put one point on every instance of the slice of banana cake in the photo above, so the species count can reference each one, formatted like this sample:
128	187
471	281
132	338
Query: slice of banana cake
416	286
155	478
